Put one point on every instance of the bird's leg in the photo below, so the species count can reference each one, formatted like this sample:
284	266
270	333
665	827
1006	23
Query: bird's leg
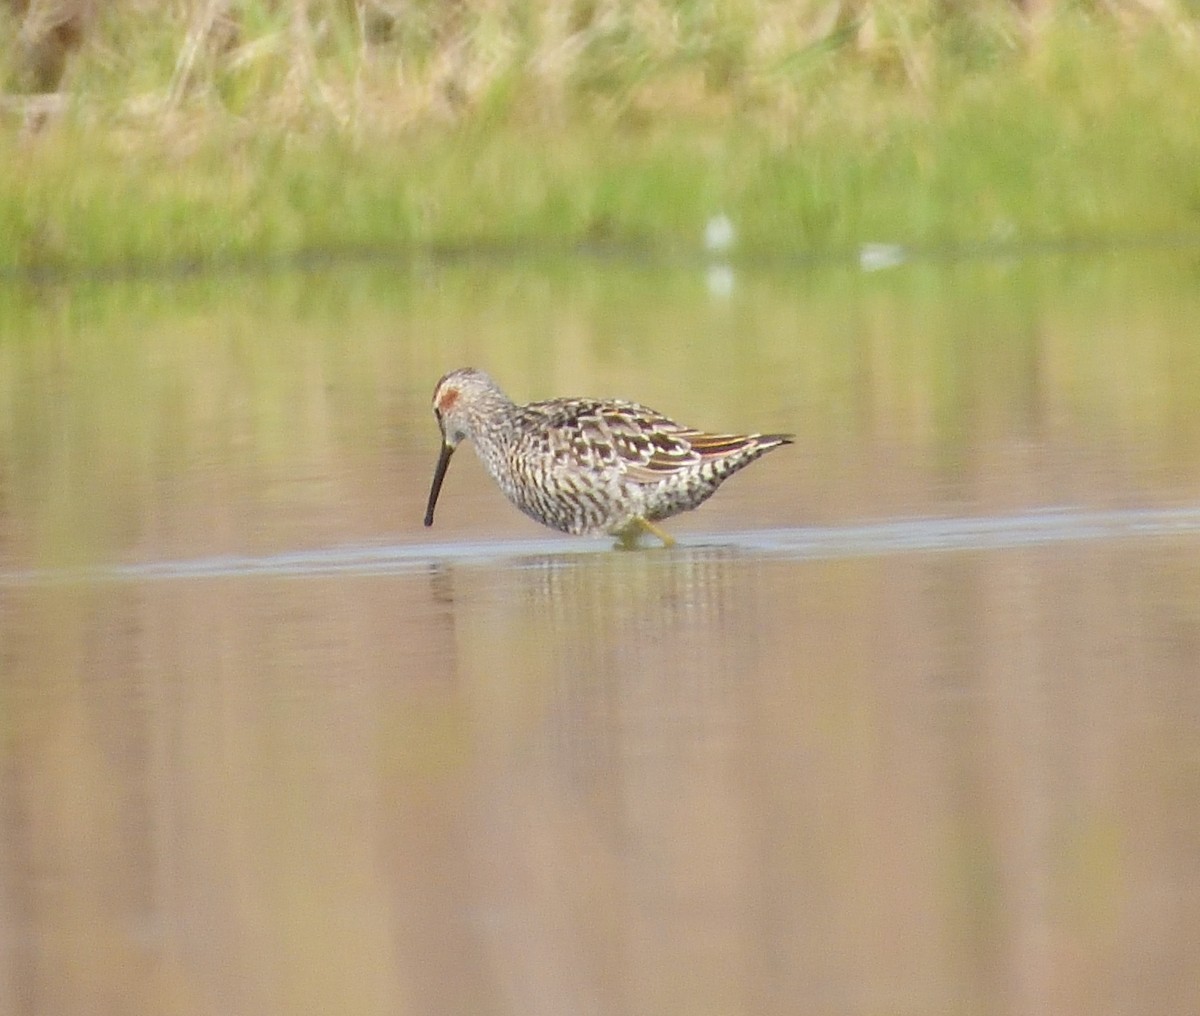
627	538
667	539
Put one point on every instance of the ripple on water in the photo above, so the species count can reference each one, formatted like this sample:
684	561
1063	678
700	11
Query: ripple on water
869	539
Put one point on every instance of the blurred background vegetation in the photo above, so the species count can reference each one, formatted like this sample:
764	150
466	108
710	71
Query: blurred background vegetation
135	132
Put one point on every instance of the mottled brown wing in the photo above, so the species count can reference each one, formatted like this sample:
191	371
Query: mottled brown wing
574	433
687	448
648	446
652	447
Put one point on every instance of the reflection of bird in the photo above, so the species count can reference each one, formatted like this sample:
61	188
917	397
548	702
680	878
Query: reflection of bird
587	465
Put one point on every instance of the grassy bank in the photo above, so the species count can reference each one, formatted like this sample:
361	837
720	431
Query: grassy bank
247	130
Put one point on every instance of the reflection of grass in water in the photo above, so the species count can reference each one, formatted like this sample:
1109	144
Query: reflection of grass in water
275	392
631	123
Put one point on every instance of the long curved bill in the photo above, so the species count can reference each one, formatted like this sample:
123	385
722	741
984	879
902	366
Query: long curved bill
439	474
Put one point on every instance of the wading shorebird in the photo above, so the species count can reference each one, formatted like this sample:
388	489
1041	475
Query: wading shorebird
587	466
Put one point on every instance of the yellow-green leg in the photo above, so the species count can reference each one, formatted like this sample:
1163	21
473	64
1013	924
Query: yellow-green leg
627	538
667	539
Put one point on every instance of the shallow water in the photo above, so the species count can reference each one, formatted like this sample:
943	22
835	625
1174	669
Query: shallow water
908	722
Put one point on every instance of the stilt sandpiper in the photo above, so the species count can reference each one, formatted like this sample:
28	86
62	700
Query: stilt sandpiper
587	465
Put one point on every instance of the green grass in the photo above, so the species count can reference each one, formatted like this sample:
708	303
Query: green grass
544	128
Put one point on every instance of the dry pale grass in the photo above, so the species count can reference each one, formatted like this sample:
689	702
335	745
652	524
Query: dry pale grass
380	64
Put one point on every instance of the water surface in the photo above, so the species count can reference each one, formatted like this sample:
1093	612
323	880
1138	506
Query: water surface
907	723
